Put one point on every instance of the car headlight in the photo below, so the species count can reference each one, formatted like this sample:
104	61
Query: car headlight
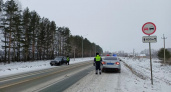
57	61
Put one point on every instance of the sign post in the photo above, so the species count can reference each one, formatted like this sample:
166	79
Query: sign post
149	28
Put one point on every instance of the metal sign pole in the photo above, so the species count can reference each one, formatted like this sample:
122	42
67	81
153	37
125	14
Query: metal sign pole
151	64
148	29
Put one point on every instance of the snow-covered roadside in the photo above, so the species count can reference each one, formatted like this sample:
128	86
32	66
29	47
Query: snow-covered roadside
161	73
19	67
126	81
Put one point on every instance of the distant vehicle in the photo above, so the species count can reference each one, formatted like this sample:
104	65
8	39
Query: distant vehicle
111	63
58	61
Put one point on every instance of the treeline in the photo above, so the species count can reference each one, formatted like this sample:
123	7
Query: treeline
28	37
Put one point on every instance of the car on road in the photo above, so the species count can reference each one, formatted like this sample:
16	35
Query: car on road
111	63
58	61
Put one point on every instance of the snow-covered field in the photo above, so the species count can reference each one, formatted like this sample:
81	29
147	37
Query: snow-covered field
134	77
161	74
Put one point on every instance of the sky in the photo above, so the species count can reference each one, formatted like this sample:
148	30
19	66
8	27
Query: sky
115	25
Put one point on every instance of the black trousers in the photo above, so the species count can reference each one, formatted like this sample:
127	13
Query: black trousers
67	62
98	65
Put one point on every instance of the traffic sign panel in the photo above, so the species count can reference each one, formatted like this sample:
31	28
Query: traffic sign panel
149	28
151	39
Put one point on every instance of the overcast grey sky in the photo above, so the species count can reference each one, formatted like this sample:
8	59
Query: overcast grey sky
113	24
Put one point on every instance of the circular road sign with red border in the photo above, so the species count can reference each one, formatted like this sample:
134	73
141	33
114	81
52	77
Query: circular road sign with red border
149	28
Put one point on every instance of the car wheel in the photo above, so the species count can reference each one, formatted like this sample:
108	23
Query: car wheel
51	64
59	63
119	71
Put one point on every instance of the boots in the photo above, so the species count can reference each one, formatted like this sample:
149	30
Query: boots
96	71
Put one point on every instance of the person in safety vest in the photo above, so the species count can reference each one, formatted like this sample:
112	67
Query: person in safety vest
68	59
97	61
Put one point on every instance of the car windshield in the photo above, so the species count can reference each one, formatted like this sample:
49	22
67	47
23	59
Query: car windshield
110	58
58	58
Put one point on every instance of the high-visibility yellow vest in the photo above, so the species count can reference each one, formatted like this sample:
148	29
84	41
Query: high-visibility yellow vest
98	58
67	58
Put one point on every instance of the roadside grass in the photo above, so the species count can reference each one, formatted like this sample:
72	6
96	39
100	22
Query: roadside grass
135	72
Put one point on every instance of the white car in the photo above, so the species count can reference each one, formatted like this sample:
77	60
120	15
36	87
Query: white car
111	63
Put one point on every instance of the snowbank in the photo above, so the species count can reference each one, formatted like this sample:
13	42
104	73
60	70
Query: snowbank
161	73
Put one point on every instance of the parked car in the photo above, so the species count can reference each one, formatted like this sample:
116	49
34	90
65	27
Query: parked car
111	63
58	60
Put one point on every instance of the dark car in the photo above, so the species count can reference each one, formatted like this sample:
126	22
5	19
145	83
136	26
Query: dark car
58	60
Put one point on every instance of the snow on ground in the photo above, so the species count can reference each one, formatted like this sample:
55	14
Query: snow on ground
134	77
127	81
161	73
19	67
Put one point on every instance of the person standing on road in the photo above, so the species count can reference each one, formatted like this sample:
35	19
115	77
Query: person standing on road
97	61
68	59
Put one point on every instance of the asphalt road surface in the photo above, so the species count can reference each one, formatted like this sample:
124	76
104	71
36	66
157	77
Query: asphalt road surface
55	79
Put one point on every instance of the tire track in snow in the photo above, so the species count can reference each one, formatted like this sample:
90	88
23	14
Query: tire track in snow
106	82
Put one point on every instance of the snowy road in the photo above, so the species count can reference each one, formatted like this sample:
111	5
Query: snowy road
134	76
126	81
45	79
107	82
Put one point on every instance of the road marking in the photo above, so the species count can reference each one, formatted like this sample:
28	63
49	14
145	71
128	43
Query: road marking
59	80
26	75
5	86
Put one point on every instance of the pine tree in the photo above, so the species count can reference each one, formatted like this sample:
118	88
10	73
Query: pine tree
10	9
67	41
42	36
48	38
26	33
161	54
1	25
64	41
18	36
1	5
35	22
52	37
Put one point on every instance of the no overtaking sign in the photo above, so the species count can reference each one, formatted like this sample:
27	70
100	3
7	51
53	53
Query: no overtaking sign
149	28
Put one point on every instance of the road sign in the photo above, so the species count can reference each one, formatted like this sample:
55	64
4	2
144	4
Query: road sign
149	28
151	39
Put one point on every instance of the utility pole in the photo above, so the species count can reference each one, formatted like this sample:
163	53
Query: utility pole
82	45
74	53
164	46
90	53
133	52
95	49
82	48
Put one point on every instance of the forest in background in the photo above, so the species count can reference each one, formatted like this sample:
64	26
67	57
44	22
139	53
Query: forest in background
27	37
